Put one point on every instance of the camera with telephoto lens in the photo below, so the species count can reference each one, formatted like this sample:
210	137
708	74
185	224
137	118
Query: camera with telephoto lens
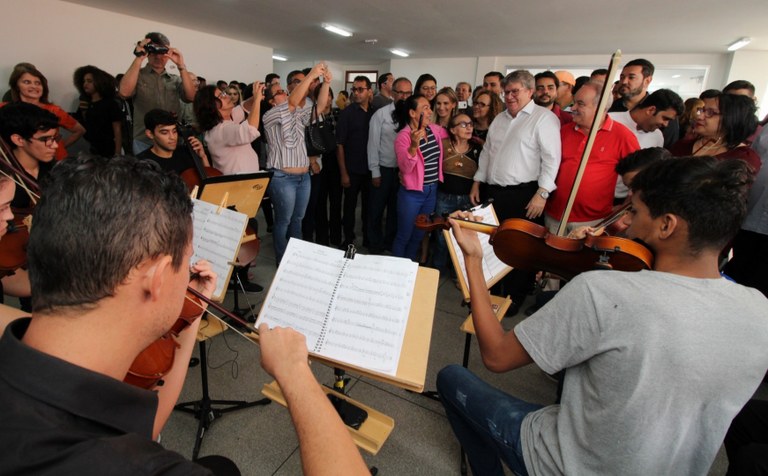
155	49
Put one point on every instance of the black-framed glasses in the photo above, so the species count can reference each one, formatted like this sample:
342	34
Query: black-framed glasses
48	140
707	111
406	93
360	90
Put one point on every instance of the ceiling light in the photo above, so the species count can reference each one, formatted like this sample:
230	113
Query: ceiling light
279	58
740	43
397	52
337	30
675	76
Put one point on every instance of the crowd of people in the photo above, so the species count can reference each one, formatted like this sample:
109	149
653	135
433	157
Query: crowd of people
410	149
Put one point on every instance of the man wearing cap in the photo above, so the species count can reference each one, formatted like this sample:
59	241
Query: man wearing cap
152	87
565	89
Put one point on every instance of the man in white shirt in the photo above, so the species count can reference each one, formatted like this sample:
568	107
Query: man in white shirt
652	114
384	172
519	163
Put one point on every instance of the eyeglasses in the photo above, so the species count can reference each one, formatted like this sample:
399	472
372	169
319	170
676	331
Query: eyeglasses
406	93
464	125
359	90
480	104
707	111
48	140
513	92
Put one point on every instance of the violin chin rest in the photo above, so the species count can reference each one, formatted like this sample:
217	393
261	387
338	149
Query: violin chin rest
603	265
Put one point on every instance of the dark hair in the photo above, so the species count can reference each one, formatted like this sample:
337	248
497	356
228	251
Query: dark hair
641	158
647	67
496	74
710	93
316	93
158	38
580	81
363	79
547	74
599	72
423	79
740	84
306	71
103	82
383	79
403	107
663	99
293	73
206	108
201	79
344	93
268	78
737	118
709	194
221	82
158	117
25	119
20	70
97	220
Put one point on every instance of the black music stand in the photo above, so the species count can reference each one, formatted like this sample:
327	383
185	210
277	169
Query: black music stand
207	410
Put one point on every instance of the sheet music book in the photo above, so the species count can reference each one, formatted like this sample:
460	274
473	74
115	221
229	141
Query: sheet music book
493	268
217	236
350	310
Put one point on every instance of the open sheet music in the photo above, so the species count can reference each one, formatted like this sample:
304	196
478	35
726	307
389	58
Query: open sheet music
217	235
493	268
350	310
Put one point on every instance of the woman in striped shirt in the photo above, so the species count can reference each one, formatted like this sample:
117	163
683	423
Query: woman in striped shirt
419	151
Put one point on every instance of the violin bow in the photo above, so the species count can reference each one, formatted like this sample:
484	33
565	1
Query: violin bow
599	116
11	168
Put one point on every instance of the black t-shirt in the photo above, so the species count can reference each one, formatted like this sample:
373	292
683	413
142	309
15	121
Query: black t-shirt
59	418
97	120
21	199
178	162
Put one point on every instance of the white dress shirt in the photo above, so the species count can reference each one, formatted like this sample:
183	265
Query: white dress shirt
522	149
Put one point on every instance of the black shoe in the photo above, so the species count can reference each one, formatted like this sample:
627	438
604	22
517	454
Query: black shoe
248	287
514	308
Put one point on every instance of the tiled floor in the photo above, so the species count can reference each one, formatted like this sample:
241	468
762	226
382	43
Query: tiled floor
262	441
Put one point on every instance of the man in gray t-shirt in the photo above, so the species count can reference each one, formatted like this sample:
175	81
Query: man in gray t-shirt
658	362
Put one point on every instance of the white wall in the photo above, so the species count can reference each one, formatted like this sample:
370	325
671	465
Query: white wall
752	66
66	36
447	71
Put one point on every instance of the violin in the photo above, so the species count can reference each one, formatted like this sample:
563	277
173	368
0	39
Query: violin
13	252
526	245
154	362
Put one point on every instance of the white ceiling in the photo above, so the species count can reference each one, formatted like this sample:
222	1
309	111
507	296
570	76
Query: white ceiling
464	28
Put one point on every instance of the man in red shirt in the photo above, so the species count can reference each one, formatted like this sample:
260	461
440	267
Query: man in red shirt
594	198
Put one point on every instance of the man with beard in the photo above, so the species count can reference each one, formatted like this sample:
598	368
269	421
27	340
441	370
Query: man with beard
546	95
634	80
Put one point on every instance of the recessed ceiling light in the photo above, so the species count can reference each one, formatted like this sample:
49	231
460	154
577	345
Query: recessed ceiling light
279	58
337	30
675	76
397	52
740	43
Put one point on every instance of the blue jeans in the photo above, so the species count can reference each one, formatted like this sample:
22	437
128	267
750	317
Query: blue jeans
290	195
380	198
446	203
409	204
486	421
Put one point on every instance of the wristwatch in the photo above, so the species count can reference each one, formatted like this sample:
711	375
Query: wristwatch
544	194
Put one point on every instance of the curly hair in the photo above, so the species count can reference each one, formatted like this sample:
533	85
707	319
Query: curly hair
103	82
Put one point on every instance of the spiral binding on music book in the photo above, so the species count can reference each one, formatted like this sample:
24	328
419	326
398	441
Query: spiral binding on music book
348	256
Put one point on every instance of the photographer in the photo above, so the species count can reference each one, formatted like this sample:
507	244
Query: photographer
152	86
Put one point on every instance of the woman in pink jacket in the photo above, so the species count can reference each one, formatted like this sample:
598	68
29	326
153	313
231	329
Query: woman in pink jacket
419	151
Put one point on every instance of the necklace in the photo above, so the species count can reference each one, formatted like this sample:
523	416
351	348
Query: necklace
706	146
